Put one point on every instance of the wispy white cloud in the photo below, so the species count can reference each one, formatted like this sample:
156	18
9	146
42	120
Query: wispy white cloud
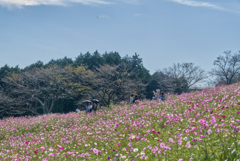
130	1
103	16
198	4
21	3
138	15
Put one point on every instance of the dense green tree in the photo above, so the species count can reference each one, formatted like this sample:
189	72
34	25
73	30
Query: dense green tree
39	64
95	60
112	58
139	76
60	62
7	70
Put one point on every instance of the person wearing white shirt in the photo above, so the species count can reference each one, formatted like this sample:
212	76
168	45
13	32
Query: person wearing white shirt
89	108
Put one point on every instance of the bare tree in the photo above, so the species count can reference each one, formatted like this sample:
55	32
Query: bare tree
180	77
227	67
210	83
44	86
12	106
164	82
115	83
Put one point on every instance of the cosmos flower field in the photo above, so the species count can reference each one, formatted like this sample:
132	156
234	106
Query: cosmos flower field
193	126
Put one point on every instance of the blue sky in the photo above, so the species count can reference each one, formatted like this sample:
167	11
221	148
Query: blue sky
163	32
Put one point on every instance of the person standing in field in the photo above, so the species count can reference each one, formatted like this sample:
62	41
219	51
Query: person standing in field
156	94
131	98
89	108
94	107
135	99
162	96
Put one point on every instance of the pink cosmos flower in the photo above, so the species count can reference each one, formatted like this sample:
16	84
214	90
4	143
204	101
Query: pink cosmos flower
166	147
238	112
51	154
188	145
142	156
180	159
179	142
95	151
118	144
162	145
154	131
153	150
213	119
171	140
42	148
194	139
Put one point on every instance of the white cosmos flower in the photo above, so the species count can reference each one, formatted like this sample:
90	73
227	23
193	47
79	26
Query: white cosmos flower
123	157
135	150
186	138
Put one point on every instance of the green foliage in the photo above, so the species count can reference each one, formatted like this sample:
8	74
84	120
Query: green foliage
37	65
7	70
60	62
91	61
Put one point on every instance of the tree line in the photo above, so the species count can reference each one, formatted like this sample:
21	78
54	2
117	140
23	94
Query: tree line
61	85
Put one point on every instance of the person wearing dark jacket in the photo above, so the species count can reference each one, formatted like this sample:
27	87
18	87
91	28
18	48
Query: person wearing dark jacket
94	108
162	96
136	98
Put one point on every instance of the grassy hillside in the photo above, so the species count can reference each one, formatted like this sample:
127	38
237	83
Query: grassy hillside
195	126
